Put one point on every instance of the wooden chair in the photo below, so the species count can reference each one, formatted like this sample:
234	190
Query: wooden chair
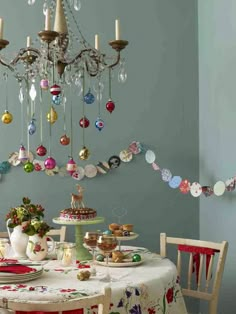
58	232
102	299
199	252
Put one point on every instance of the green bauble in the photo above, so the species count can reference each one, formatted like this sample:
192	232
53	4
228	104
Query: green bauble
136	258
29	167
100	258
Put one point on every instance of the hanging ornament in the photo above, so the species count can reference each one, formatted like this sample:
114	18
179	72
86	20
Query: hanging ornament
41	151
89	98
52	115
7	117
22	154
5	166
110	106
44	84
84	153
99	124
71	166
55	89
64	140
28	167
50	163
56	99
84	122
32	127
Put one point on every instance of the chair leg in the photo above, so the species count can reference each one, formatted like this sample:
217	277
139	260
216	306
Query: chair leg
213	307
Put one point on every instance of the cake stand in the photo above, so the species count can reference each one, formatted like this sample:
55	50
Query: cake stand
82	253
132	236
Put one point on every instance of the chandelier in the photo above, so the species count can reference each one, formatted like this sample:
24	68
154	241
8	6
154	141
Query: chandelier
49	67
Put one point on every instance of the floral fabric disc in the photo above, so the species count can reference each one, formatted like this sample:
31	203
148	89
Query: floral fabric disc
78	174
219	188
38	165
150	156
166	175
196	189
13	159
174	183
230	184
125	155
90	171
184	186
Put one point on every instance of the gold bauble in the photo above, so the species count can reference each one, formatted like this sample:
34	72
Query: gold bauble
84	153
7	117
52	116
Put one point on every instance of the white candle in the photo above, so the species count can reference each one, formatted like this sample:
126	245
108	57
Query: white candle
117	29
97	42
67	258
28	42
47	20
1	28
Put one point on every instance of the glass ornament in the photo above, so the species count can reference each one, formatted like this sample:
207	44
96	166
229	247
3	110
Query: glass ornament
22	153
21	95
41	151
32	127
71	166
99	124
29	167
33	92
77	5
84	153
110	106
45	7
55	89
84	122
7	117
44	84
4	167
56	99
31	2
136	258
122	74
52	116
89	98
64	140
50	163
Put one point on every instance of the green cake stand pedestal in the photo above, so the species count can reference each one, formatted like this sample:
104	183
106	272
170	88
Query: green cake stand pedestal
82	253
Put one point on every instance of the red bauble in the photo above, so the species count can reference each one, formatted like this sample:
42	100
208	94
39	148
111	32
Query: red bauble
110	106
41	151
55	89
84	122
64	140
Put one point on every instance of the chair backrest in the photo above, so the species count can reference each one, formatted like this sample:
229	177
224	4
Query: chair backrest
58	232
202	255
102	299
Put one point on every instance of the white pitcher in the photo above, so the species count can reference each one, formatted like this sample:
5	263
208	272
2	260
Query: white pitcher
18	240
37	247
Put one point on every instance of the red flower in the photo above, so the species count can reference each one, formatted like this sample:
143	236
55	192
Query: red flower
170	295
151	311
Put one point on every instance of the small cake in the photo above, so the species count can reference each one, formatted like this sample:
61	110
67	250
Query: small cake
127	227
117	256
114	227
118	233
77	214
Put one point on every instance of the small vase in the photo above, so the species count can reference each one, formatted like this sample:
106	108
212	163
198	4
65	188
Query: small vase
37	247
18	240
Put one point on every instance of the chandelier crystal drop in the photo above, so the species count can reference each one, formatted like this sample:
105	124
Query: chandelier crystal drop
61	59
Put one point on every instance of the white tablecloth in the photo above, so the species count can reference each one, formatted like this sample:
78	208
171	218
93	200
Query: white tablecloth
151	287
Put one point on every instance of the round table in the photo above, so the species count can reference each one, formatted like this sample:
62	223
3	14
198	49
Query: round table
82	253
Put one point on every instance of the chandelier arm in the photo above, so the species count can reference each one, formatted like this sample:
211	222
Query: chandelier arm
22	51
116	62
6	65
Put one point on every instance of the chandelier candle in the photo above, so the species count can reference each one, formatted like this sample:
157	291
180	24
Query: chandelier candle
47	20
1	28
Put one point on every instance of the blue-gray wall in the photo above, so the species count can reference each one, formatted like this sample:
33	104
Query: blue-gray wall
158	106
217	94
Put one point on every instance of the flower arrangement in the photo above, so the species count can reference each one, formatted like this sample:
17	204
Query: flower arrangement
25	212
36	226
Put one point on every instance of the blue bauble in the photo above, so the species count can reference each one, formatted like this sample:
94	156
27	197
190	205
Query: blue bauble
89	98
107	232
99	124
56	99
32	127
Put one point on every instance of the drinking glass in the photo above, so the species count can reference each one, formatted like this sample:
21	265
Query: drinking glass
107	244
90	239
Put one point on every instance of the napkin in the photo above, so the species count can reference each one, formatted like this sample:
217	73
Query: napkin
16	269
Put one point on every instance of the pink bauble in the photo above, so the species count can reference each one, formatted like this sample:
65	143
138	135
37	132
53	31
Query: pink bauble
50	163
110	106
44	84
41	150
71	166
55	89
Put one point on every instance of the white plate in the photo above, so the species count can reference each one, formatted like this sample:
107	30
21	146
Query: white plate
132	236
125	263
12	278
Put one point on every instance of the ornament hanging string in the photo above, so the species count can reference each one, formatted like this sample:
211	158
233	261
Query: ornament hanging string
83	109
41	115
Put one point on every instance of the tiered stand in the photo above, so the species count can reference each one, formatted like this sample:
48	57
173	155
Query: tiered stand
82	253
